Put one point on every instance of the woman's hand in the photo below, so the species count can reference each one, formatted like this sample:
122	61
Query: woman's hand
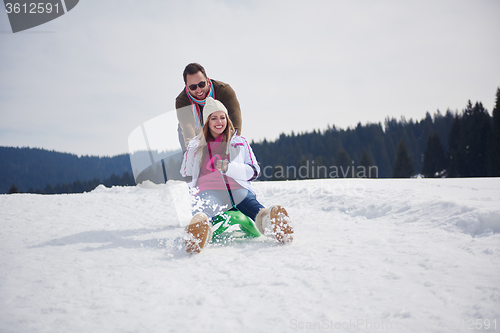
222	165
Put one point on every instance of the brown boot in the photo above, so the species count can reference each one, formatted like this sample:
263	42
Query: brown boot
275	221
199	232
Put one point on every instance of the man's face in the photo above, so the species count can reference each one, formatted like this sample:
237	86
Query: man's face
195	79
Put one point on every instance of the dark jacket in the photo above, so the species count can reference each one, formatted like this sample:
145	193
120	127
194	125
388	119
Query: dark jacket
224	93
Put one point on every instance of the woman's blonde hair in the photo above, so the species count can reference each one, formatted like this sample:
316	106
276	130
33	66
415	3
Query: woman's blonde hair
205	136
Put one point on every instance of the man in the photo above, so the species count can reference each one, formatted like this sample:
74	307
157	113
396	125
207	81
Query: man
190	102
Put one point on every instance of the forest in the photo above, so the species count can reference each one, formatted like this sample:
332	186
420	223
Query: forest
453	144
37	170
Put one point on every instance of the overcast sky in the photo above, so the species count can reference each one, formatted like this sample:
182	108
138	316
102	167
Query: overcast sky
83	82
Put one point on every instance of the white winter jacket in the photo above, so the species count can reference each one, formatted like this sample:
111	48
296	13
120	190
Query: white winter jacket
243	166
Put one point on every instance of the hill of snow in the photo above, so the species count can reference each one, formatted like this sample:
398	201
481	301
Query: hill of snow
414	255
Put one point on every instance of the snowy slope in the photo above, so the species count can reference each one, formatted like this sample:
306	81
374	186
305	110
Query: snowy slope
410	255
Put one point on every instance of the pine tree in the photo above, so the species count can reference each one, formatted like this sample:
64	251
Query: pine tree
403	166
13	189
434	157
367	165
320	167
479	130
456	155
468	142
493	158
344	164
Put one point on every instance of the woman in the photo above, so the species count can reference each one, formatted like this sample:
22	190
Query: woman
222	165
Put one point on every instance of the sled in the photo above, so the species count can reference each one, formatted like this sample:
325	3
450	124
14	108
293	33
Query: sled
234	217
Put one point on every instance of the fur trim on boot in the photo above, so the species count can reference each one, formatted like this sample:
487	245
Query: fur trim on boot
262	220
275	222
199	232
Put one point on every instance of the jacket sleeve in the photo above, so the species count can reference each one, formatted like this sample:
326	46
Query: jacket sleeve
227	96
245	167
188	161
185	117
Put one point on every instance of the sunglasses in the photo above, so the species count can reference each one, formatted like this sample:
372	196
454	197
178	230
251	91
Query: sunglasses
193	87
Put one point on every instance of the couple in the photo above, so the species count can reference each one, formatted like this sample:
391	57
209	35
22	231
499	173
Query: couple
222	165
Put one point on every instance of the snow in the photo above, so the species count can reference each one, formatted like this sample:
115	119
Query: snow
412	255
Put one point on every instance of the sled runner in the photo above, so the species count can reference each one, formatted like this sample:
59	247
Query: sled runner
234	217
200	231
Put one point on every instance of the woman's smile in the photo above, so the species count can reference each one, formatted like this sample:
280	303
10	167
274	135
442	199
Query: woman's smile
217	122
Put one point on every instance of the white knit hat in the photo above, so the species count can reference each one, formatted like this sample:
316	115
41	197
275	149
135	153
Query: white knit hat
212	105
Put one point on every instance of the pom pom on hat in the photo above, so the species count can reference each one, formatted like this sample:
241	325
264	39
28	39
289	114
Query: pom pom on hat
212	105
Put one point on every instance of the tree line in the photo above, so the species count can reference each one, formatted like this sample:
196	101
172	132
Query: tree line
80	186
34	168
454	144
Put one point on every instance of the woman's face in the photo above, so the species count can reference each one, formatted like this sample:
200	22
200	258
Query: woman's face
217	123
